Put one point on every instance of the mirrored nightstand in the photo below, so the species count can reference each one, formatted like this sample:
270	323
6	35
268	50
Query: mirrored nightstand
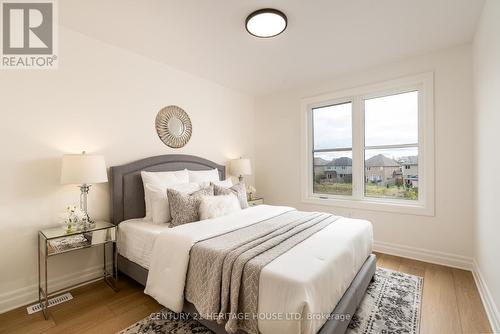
255	201
57	240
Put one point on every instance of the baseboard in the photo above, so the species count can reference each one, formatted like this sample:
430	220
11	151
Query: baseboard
20	297
442	258
488	302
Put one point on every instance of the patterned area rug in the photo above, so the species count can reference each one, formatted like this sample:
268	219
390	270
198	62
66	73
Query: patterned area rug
391	305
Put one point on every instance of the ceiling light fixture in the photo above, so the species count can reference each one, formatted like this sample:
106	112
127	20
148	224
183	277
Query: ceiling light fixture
265	23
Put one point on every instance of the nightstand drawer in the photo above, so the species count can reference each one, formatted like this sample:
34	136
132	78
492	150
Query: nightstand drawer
255	201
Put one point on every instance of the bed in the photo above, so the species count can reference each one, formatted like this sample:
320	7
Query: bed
303	280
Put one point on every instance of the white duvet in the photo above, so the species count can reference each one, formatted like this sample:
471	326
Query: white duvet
308	280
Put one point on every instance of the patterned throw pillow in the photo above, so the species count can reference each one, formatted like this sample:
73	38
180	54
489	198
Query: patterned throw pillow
238	189
184	207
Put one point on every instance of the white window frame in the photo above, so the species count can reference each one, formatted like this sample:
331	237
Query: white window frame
424	83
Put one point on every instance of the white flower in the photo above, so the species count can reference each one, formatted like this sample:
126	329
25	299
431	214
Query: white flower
73	215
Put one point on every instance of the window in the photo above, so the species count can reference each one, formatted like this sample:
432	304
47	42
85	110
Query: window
391	139
333	149
372	147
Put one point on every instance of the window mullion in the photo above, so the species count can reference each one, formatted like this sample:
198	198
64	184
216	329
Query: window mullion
343	149
382	147
358	139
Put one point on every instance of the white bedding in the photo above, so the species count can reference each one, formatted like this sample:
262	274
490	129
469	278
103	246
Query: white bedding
309	279
136	238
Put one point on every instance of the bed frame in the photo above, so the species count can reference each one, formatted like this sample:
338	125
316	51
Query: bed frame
127	193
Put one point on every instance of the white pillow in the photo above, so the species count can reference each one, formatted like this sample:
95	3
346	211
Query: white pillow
160	208
187	188
227	183
199	176
161	180
217	206
158	200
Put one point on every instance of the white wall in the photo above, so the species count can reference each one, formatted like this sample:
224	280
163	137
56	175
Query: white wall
445	238
103	100
487	171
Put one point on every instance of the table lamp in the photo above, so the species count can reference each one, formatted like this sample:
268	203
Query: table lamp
240	167
84	170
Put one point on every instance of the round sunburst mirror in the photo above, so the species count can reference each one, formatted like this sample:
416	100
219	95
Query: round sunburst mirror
173	126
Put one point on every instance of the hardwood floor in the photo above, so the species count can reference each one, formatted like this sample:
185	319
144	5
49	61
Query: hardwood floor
95	308
450	304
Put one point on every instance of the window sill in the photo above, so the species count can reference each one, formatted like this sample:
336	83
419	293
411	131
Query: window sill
373	205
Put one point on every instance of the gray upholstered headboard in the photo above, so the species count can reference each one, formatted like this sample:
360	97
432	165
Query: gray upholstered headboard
127	190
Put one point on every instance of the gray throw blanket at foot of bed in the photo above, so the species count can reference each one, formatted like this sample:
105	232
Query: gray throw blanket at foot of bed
224	271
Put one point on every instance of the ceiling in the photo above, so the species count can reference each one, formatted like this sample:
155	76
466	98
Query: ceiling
324	38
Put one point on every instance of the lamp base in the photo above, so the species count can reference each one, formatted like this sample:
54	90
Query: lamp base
85	188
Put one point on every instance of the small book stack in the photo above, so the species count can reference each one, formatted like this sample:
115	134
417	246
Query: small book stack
63	244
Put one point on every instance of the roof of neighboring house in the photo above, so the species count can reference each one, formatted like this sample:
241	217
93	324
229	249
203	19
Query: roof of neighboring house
320	162
410	160
381	160
344	161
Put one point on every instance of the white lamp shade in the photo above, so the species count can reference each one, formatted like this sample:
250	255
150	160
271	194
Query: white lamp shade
241	167
83	169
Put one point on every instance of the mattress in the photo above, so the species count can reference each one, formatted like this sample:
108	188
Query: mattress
311	278
136	238
308	280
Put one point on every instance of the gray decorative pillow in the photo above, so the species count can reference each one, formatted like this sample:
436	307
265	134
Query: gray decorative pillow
184	207
238	189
